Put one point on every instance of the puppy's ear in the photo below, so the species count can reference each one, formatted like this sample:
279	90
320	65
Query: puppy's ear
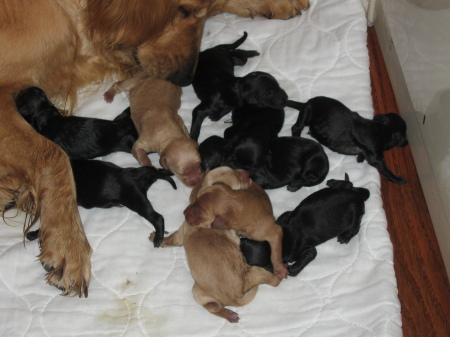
244	92
193	216
163	162
219	222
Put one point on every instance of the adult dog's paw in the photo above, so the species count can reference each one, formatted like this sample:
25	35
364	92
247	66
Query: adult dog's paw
283	9
68	265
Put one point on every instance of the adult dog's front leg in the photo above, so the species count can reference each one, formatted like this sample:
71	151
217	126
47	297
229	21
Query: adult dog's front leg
45	173
271	9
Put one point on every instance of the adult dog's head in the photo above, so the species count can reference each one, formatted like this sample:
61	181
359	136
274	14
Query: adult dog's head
162	36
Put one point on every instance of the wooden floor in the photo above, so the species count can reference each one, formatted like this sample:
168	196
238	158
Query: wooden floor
423	284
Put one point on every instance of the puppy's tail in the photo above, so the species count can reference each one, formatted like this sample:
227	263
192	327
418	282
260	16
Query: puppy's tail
295	105
150	174
237	43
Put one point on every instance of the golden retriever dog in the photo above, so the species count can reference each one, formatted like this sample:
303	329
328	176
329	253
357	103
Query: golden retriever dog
248	211
221	274
154	105
63	45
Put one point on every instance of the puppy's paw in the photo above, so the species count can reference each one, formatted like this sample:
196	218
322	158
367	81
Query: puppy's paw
157	239
293	188
231	316
281	272
401	180
68	265
109	95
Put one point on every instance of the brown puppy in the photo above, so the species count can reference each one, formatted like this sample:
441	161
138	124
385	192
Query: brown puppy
236	179
248	211
154	108
222	276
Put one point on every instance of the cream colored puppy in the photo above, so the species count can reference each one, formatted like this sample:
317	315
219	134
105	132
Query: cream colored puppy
154	108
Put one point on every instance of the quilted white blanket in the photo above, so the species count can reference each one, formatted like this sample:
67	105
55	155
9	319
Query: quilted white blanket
137	290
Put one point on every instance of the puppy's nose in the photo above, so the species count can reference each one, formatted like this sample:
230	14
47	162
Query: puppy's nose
181	79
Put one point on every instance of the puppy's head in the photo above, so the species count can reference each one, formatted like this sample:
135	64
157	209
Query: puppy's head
163	37
32	101
181	157
212	152
261	89
396	127
211	208
235	179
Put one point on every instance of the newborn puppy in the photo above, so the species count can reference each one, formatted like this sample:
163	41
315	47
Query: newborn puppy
295	162
328	213
291	161
236	179
103	185
346	132
79	137
154	108
261	107
214	82
222	277
248	211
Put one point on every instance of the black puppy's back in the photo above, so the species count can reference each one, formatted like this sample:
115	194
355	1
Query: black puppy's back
328	213
79	137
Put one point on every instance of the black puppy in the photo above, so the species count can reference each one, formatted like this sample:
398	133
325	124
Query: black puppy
346	132
292	161
103	185
214	82
79	137
328	213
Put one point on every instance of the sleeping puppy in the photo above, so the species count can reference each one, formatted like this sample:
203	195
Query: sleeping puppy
222	276
295	162
291	161
214	82
328	213
248	212
79	137
103	185
346	132
154	108
235	178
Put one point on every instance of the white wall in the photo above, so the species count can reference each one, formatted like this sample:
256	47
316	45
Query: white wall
415	38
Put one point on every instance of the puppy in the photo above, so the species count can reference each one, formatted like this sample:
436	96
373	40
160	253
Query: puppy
79	137
291	161
328	213
248	211
214	82
154	108
235	178
346	132
103	185
222	277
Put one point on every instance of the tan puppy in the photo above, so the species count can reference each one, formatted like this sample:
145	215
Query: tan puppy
222	276
236	179
154	108
248	211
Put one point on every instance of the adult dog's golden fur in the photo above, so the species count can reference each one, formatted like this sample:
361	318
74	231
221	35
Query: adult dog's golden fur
154	108
222	276
62	45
